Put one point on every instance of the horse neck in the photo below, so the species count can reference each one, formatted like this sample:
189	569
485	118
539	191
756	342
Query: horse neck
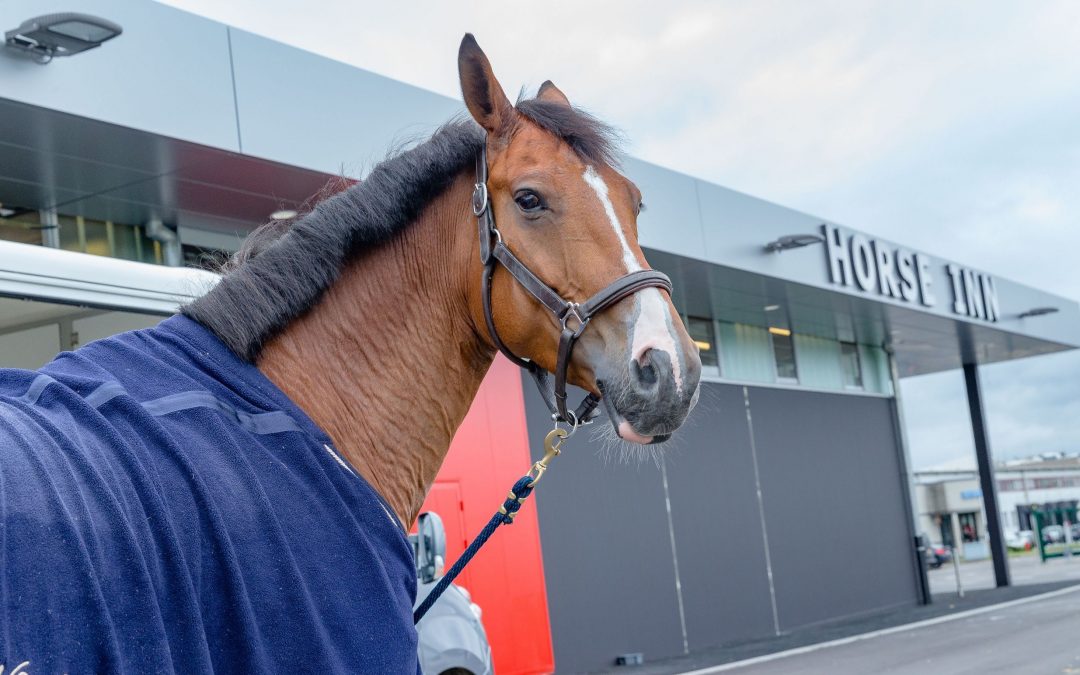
390	359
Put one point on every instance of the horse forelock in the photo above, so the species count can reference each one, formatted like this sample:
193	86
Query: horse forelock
587	136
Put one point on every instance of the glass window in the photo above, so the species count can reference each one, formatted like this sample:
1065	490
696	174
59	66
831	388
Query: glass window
20	225
124	241
206	258
98	237
969	526
852	369
72	237
784	355
704	336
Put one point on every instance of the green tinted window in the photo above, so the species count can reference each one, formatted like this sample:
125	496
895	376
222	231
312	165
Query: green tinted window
851	368
784	354
704	336
70	237
97	237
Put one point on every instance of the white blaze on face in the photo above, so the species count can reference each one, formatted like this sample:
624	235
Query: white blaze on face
652	328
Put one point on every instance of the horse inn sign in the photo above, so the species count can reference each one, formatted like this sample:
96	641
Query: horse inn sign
858	261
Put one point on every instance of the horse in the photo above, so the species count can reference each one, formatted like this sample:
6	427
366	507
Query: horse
230	490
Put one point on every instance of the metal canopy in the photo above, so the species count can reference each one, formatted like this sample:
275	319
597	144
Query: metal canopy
108	172
922	342
99	170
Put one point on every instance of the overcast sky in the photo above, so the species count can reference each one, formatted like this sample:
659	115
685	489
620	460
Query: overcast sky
954	129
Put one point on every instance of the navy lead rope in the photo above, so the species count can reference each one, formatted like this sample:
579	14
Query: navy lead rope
504	516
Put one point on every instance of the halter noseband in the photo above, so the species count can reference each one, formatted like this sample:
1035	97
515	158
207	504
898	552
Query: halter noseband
572	316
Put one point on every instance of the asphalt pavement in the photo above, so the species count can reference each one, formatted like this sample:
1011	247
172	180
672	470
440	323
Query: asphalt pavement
985	631
1038	635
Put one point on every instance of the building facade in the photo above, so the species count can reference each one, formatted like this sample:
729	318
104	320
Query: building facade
171	142
950	506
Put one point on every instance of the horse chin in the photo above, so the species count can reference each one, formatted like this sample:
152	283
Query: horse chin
625	430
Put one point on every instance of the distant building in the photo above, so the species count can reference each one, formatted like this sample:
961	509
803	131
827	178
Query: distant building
949	503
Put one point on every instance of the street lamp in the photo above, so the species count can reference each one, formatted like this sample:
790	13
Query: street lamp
65	34
1038	311
793	241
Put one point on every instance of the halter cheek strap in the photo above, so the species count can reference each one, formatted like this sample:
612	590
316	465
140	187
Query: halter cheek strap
573	317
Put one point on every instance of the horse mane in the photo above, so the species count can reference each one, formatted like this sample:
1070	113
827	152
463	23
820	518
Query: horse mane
283	268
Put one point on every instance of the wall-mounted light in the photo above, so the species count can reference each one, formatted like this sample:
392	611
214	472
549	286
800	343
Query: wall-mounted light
789	241
780	331
66	34
703	345
771	308
1038	311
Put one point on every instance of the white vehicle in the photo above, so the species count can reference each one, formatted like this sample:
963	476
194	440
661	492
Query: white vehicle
452	638
1023	540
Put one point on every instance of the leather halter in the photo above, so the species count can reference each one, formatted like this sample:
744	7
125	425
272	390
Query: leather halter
574	317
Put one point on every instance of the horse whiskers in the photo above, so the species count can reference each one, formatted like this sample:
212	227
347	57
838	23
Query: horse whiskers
615	449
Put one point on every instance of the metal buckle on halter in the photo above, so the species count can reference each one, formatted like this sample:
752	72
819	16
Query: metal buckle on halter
572	310
479	199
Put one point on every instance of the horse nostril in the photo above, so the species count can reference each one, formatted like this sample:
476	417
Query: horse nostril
645	375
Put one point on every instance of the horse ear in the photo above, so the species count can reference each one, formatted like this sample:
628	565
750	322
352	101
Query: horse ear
549	92
484	97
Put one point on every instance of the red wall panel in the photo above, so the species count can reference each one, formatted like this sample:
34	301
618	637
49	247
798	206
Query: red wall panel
489	453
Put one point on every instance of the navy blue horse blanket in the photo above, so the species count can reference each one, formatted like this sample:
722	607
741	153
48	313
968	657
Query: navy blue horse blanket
165	508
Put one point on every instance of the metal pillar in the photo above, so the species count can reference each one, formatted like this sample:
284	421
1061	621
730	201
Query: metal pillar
986	474
50	228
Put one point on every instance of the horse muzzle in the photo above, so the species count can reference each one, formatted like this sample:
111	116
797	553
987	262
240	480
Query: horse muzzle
647	402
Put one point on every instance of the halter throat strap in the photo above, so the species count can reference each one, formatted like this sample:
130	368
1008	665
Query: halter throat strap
573	317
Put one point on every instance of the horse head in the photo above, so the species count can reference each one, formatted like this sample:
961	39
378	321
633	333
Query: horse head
564	210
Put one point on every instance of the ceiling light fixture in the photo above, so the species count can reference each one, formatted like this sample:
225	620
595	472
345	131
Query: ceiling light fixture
51	35
789	241
283	214
771	308
780	331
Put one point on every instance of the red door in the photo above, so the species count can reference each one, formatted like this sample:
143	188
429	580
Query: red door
444	498
489	453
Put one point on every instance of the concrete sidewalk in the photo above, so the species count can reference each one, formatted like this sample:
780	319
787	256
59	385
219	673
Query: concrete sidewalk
943	605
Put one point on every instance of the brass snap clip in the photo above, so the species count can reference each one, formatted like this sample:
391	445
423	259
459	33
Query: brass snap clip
552	448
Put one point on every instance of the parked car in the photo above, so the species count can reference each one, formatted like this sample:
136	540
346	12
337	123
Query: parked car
452	638
1053	534
937	555
1024	540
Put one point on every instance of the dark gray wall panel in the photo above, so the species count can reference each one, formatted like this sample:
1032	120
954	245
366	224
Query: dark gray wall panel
607	553
832	502
717	523
834	510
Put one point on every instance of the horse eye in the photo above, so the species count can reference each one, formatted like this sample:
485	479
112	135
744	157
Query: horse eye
528	201
641	208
